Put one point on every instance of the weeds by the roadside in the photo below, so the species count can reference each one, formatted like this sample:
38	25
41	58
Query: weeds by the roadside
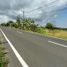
58	33
3	58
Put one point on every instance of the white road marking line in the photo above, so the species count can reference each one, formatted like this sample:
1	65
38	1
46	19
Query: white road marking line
58	44
23	63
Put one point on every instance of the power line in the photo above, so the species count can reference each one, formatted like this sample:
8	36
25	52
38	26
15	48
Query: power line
46	5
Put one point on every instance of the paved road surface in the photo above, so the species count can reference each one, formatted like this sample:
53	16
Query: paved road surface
36	50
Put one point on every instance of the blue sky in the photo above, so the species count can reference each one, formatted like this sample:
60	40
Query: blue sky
41	10
61	19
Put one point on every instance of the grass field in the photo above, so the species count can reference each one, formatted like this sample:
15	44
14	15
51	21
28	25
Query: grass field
57	33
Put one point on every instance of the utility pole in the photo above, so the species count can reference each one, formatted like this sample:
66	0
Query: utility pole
23	14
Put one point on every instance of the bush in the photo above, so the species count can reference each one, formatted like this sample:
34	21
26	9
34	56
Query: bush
49	26
41	30
3	24
33	27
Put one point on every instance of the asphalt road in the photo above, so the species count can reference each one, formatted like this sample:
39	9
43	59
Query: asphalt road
36	50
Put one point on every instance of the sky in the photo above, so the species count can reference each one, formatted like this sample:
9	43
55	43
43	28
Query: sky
42	11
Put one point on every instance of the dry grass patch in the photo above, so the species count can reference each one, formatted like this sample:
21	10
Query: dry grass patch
58	33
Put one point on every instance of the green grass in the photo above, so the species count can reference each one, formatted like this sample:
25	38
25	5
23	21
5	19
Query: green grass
3	58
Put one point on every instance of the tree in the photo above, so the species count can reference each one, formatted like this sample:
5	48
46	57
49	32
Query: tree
3	24
33	26
49	26
18	22
10	23
29	24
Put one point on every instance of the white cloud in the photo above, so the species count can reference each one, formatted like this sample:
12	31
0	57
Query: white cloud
12	8
6	18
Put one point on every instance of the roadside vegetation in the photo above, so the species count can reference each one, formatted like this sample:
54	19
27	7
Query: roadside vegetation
3	56
30	25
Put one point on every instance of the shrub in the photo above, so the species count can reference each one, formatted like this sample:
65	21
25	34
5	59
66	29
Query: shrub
41	30
49	26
